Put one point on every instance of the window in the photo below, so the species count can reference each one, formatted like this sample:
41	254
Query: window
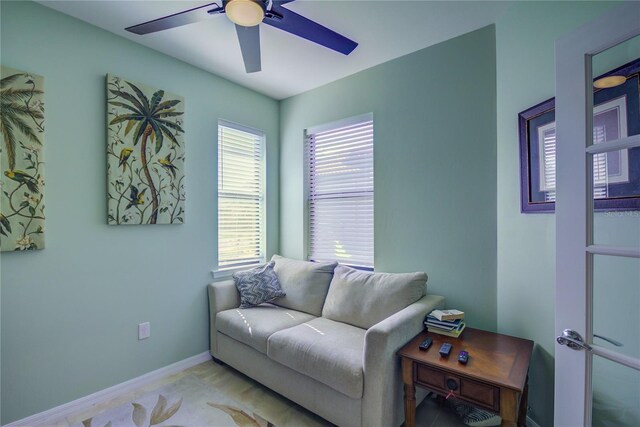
241	237
340	192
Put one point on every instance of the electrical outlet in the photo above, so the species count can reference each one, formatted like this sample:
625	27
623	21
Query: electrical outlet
144	330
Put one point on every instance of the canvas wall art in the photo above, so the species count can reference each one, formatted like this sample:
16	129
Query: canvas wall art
145	150
22	160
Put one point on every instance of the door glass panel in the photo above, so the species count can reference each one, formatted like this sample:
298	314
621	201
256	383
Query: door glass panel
616	298
616	56
616	179
616	174
617	228
616	391
616	280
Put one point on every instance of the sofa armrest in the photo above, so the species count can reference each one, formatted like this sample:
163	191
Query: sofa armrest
382	402
222	296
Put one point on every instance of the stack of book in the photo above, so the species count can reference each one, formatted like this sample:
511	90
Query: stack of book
445	322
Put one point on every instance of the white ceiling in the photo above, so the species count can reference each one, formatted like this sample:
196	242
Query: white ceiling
290	65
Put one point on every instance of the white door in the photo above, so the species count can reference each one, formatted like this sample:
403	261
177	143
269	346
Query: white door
597	355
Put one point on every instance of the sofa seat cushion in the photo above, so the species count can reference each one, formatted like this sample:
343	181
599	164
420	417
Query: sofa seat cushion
253	326
327	351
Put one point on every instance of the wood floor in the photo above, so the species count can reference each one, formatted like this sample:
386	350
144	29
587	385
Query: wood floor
270	405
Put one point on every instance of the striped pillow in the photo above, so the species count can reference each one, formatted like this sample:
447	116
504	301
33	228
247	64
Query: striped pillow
258	285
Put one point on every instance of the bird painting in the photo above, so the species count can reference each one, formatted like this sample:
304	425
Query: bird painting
125	153
145	139
22	127
167	164
136	198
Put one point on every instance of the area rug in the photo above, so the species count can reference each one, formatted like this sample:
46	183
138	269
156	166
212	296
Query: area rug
188	402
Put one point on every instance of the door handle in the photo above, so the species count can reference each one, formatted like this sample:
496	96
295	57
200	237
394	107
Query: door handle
573	340
610	340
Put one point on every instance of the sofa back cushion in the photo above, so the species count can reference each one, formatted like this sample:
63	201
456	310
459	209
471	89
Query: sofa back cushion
305	283
363	299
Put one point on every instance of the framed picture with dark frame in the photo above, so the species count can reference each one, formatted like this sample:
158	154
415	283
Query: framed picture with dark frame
616	174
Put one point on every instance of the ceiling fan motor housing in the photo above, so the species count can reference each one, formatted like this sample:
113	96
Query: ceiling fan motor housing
247	13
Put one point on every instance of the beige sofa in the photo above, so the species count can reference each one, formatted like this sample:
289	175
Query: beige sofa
344	370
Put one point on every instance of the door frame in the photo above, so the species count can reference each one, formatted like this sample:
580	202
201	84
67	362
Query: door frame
574	210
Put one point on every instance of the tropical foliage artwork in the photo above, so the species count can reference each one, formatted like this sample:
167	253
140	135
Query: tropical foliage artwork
145	150
21	160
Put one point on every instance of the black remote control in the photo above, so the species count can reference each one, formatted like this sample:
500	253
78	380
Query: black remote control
463	357
445	350
425	344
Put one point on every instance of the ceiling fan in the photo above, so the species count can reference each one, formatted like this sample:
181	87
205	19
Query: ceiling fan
247	14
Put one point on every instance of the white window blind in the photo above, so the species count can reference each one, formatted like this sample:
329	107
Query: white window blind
340	192
548	164
600	175
240	196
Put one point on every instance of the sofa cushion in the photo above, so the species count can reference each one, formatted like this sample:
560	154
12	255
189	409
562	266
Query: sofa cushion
305	283
363	299
327	351
253	326
257	285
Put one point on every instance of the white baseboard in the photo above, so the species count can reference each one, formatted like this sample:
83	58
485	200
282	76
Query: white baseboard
108	393
531	423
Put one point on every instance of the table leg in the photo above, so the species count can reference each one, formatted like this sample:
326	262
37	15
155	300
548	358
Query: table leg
524	405
409	393
509	407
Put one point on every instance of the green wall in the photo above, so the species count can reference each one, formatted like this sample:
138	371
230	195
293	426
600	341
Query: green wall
70	312
435	166
525	38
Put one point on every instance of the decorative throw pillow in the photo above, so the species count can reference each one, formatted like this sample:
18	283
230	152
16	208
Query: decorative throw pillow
258	285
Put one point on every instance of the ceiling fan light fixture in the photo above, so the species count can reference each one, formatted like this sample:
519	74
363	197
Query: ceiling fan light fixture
609	81
247	13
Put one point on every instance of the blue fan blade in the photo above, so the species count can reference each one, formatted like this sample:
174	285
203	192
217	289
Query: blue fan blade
249	38
296	24
177	19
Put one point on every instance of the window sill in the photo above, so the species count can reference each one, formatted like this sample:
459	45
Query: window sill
225	274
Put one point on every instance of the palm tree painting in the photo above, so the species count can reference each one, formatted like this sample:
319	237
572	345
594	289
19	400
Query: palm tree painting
145	150
21	160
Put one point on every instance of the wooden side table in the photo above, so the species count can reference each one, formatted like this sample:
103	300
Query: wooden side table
494	378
